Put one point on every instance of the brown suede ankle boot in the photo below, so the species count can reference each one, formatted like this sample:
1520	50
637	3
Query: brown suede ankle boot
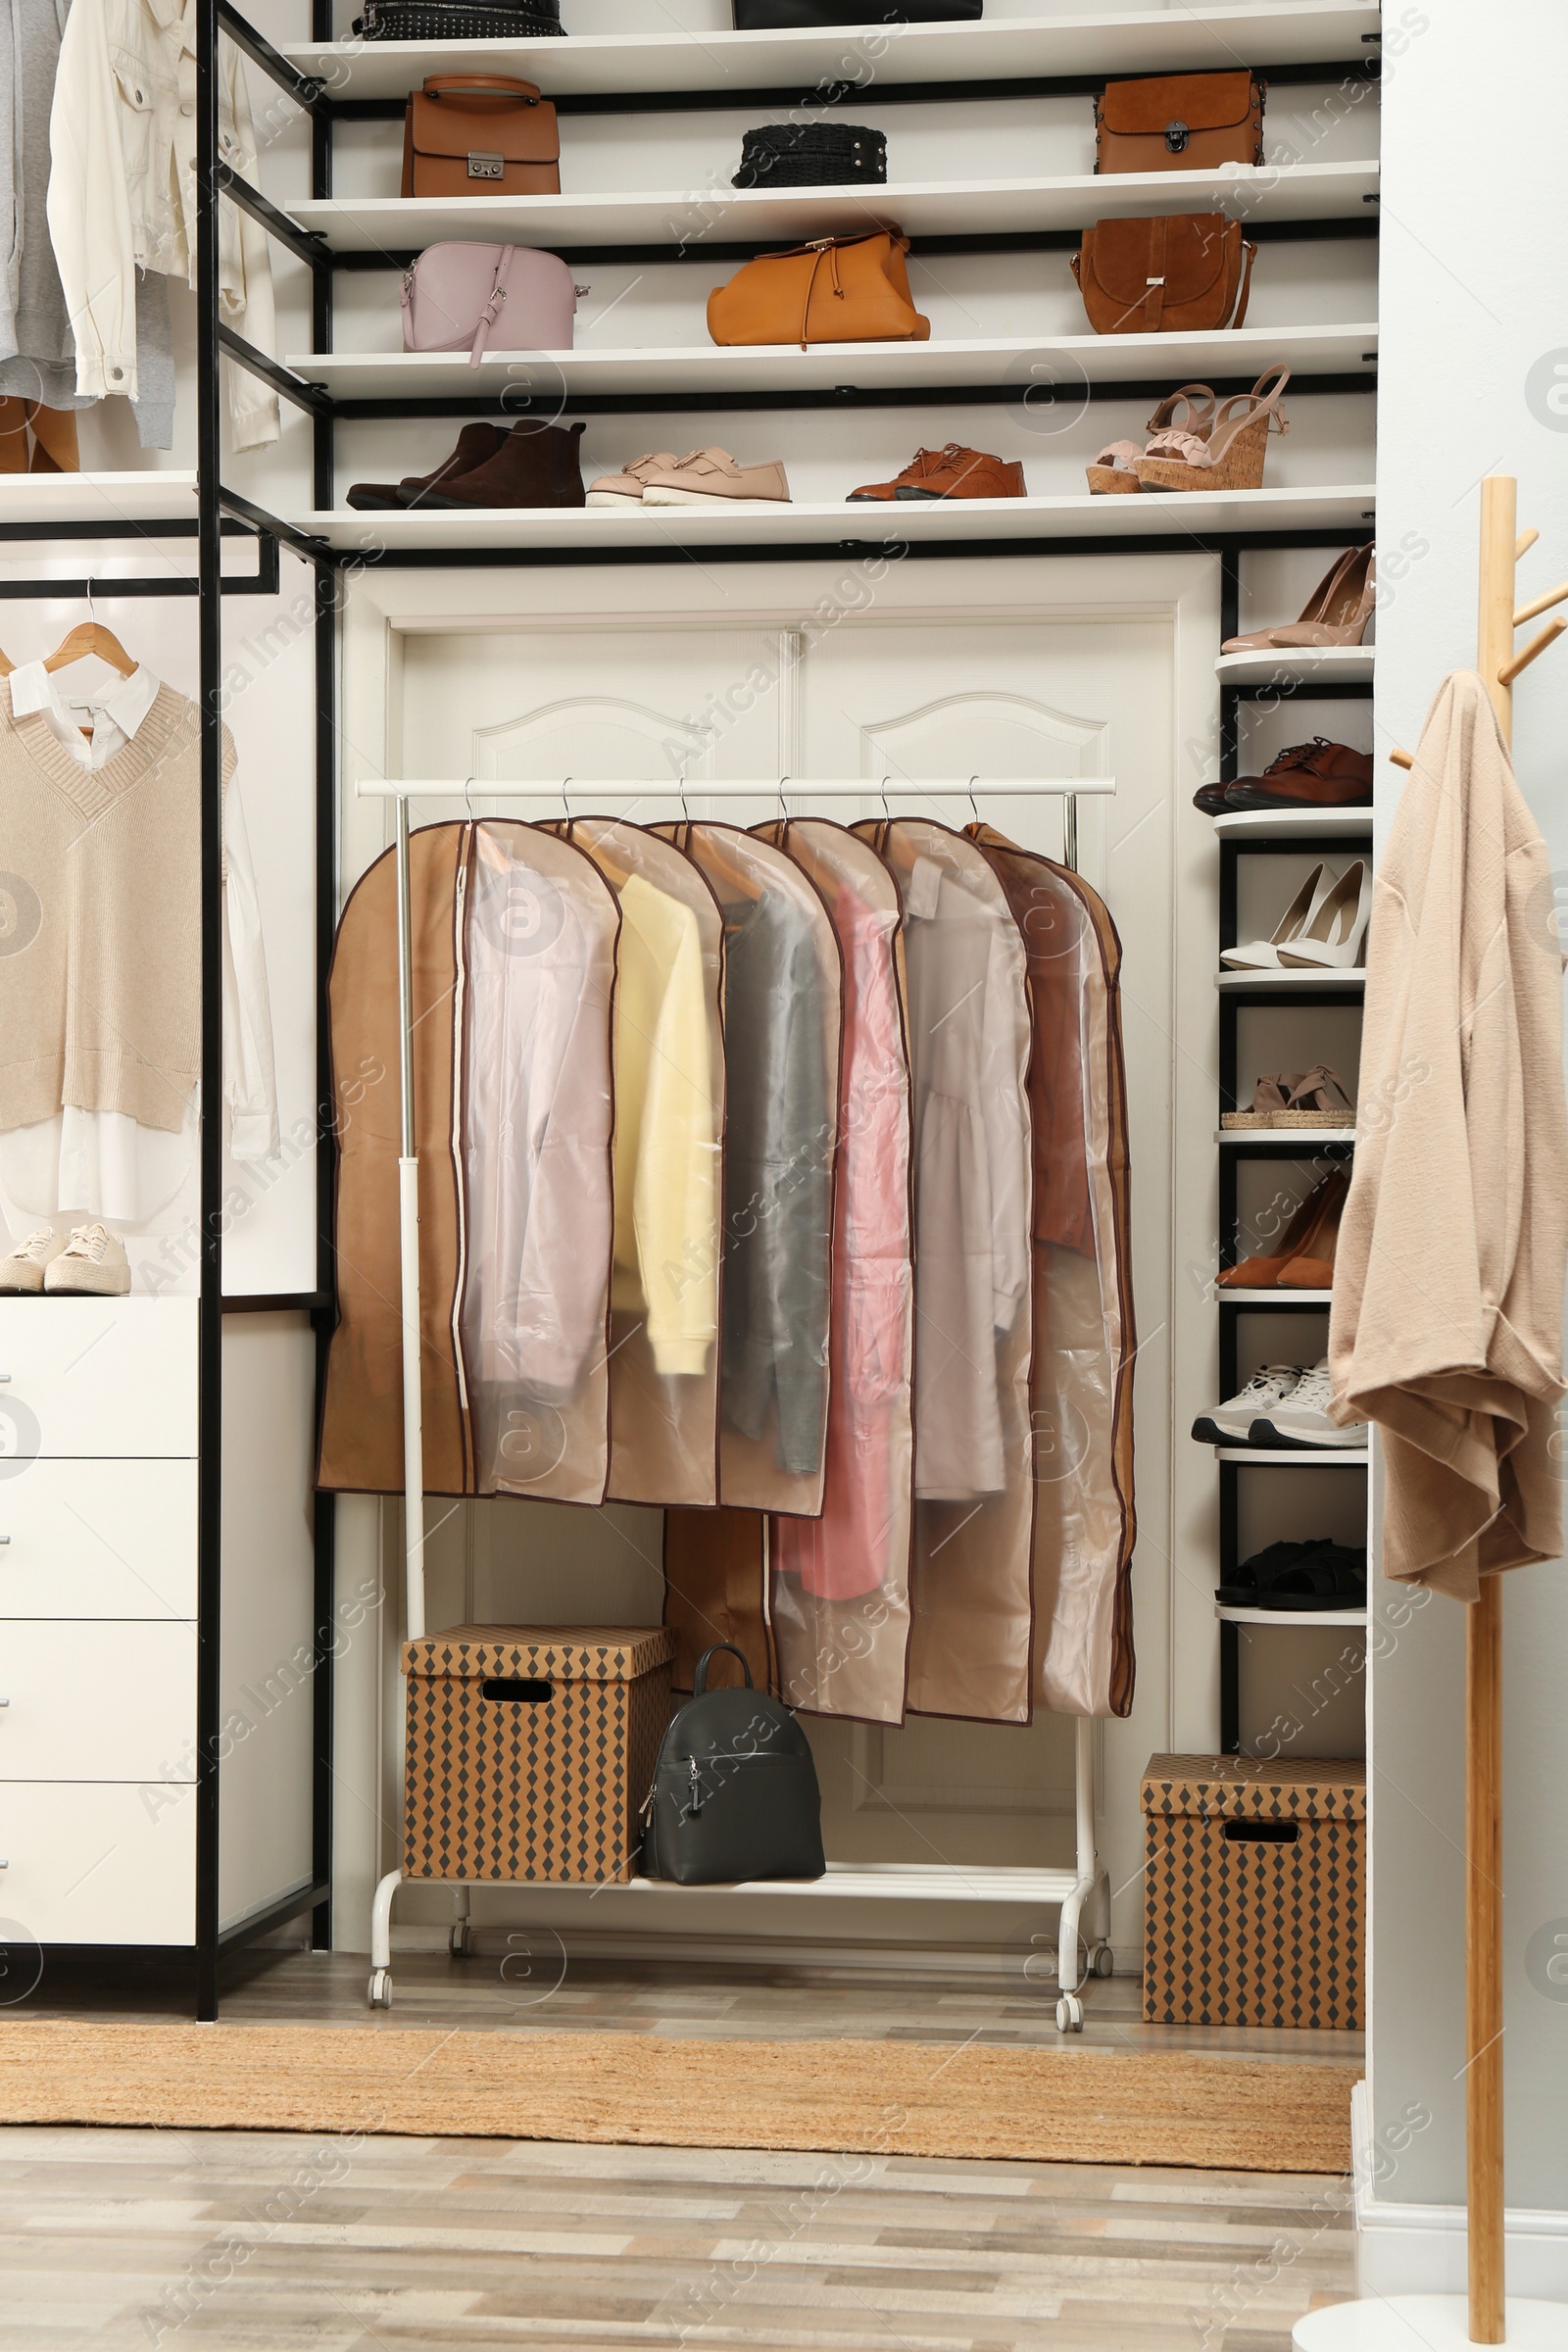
536	466
475	443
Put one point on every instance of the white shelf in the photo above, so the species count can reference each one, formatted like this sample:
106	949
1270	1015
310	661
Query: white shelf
854	1881
1153	41
1299	667
1245	1136
147	496
1340	1458
1230	1616
697	369
1240	983
1295	824
1228	1296
762	216
1174	514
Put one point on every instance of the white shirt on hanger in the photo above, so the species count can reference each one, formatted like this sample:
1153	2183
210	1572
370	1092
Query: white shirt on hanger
101	1163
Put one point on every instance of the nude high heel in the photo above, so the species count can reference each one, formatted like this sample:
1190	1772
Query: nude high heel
1331	938
1231	456
1266	954
1338	611
1191	411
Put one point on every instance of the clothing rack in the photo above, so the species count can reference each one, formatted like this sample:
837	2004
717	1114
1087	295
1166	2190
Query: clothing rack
1086	1883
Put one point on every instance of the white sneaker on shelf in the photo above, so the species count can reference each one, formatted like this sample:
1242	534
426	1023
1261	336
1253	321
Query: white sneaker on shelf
1230	1423
1301	1421
22	1273
92	1265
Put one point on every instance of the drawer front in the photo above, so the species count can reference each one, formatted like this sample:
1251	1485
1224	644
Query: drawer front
99	1538
97	1702
96	1376
94	1865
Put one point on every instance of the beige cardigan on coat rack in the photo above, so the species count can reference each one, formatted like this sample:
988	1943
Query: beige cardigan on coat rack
1446	1326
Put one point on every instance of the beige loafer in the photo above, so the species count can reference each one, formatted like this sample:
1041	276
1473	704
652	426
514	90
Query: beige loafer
712	477
625	489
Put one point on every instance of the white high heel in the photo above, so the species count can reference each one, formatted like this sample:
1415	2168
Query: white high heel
1333	937
1265	954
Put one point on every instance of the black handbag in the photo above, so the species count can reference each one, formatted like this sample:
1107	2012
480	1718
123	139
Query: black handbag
795	16
734	1795
813	154
452	21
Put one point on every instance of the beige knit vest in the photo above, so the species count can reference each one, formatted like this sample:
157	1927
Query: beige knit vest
100	920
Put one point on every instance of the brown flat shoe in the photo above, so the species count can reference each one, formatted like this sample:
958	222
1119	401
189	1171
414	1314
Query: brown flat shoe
1308	775
475	443
951	473
1307	1241
536	466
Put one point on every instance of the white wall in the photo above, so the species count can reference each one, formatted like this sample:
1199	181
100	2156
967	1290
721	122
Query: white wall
1474	324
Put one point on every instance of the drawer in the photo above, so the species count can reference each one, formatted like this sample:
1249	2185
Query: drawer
87	1863
97	1702
99	1538
96	1376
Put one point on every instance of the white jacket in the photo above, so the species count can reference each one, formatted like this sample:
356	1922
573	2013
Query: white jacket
122	191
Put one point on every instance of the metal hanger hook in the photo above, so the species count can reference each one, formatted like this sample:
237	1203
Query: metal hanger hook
680	787
973	781
886	811
566	787
467	798
783	805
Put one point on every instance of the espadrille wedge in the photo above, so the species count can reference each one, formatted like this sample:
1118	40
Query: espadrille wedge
1230	455
1190	410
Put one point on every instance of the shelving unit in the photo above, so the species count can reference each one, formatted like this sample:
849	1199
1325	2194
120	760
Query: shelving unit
710	229
1307	670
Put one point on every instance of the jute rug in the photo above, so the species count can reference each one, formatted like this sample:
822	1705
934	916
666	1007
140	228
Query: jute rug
867	2097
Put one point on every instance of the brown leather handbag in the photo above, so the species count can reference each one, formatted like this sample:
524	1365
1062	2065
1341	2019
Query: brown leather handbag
1179	123
1186	271
839	290
480	134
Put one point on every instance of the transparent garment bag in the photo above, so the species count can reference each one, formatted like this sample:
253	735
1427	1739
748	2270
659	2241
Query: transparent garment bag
783	990
1081	1377
534	1007
670	1122
840	1585
968	1020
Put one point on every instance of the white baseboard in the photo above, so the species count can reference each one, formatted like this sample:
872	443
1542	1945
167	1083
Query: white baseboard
1421	2249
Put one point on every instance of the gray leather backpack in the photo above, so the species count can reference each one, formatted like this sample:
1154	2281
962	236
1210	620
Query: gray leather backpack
734	1793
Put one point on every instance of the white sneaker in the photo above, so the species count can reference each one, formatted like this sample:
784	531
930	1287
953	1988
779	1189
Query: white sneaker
22	1273
1301	1421
1230	1423
92	1265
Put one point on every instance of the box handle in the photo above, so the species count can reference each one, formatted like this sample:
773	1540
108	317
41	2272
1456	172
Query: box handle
1262	1833
524	1694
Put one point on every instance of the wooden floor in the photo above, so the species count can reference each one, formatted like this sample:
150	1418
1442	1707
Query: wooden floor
258	2242
248	2242
517	1984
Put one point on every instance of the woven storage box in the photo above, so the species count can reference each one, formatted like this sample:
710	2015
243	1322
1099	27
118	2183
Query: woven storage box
1254	1891
530	1749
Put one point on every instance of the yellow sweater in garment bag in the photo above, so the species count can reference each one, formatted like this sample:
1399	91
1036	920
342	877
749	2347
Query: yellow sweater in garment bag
666	1156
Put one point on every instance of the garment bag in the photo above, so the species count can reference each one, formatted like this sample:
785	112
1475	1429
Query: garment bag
669	1118
969	1017
783	988
840	1585
362	1420
536	1005
1081	1377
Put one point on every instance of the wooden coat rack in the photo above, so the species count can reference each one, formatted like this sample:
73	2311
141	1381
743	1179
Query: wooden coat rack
1487	2318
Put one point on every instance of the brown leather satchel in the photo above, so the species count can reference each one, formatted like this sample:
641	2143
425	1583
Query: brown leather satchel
480	134
1179	123
1185	271
839	290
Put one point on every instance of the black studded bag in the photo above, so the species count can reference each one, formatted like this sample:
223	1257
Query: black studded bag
798	16
734	1795
813	154
452	21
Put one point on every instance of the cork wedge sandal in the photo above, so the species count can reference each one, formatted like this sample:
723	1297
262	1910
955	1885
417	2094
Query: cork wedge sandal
1229	455
1190	410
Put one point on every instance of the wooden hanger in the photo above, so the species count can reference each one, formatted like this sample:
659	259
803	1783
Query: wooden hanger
7	665
91	637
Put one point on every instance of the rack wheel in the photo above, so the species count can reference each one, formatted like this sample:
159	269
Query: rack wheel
380	1988
1069	2014
461	1942
1102	1960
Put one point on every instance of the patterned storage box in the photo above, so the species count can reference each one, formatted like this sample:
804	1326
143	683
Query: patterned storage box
1254	1891
530	1749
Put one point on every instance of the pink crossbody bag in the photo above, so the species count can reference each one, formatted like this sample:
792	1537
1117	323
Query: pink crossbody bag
462	297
